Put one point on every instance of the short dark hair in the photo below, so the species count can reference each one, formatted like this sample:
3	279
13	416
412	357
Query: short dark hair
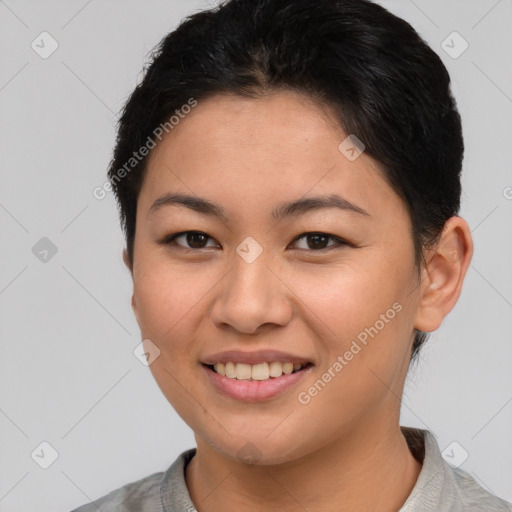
372	68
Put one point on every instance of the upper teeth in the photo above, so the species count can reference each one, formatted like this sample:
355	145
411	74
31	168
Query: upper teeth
261	371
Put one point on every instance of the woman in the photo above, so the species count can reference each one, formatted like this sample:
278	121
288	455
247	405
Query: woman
288	178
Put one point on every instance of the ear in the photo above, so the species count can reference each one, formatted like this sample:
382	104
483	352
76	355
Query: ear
443	274
135	308
133	301
126	260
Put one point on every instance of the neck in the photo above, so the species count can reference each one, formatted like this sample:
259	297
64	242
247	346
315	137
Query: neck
368	469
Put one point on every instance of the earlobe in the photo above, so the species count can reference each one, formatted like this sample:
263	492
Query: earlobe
443	274
133	301
126	260
134	308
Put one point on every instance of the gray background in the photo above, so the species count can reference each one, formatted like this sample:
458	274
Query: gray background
68	373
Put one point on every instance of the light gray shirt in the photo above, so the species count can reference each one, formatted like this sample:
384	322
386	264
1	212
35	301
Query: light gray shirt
439	488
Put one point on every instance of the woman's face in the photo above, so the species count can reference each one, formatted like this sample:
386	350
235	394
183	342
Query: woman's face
341	301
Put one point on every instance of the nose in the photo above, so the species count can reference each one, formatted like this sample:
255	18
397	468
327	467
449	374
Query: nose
251	296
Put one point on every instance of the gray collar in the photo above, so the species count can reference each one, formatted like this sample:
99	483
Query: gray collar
439	486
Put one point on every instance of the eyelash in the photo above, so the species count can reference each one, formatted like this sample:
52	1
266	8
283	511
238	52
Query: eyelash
170	240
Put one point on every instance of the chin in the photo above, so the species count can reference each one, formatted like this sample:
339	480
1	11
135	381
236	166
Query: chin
259	449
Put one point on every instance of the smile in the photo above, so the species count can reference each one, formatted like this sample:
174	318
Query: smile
255	382
258	372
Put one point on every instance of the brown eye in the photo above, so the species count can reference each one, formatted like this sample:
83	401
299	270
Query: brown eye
319	241
189	240
196	240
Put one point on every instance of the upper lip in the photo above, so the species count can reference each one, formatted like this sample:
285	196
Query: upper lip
254	357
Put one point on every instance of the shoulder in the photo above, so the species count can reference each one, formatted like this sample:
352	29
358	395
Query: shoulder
144	495
140	495
444	488
472	496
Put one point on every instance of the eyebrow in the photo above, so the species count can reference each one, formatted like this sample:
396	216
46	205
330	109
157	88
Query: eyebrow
288	209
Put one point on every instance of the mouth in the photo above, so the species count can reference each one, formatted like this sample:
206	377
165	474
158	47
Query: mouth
256	372
258	382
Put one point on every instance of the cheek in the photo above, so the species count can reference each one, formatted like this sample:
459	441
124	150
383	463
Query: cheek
349	298
364	316
166	295
169	304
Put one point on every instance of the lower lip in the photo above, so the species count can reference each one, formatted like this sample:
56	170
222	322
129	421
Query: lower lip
254	390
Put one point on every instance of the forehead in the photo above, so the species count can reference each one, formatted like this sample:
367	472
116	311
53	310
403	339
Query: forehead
254	152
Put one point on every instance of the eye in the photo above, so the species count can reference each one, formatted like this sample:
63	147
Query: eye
194	239
318	241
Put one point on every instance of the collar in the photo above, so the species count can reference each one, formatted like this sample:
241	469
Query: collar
428	490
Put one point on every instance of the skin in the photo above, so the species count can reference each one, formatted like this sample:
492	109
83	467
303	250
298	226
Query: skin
344	449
